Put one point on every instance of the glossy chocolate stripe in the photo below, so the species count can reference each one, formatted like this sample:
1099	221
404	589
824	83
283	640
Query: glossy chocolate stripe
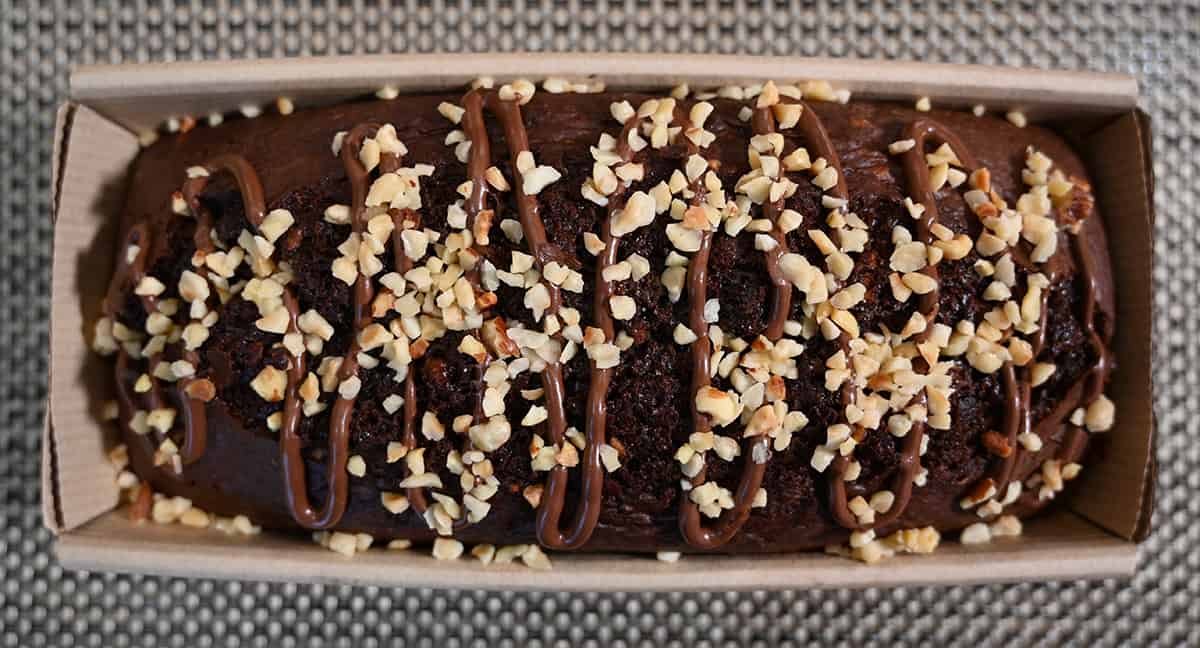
127	405
479	159
243	174
416	496
587	512
129	273
917	175
195	417
694	531
815	136
337	479
781	289
1103	365
509	114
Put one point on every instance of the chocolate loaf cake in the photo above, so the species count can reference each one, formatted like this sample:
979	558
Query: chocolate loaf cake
749	320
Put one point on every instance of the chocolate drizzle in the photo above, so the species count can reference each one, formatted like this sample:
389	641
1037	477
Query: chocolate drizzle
763	121
817	137
1017	389
130	272
295	479
247	181
1091	385
550	509
478	219
1099	372
400	220
128	404
481	153
917	174
587	514
336	477
731	521
194	419
195	416
1016	392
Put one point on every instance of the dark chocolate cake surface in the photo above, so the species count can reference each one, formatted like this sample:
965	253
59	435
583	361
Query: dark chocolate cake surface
742	322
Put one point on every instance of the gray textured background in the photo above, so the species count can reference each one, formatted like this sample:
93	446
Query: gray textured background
40	603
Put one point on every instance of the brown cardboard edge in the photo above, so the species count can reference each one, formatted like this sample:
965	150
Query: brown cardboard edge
1117	493
52	517
94	82
1150	488
63	118
119	90
89	178
111	543
79	547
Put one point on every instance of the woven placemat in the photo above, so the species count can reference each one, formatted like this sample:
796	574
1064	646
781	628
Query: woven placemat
40	603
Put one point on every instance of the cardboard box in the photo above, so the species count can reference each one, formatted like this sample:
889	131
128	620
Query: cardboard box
1094	535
